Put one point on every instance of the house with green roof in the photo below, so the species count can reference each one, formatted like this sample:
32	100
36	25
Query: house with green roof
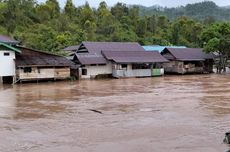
20	63
7	62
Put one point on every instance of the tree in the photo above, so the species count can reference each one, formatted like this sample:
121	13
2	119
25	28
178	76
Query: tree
185	31
105	21
2	9
134	16
152	24
162	22
54	8
141	27
86	14
11	14
90	28
216	38
119	10
70	9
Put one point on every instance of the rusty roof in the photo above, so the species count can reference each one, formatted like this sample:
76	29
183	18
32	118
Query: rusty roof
134	56
8	40
30	57
186	54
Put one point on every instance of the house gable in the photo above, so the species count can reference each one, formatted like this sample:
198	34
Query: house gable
167	54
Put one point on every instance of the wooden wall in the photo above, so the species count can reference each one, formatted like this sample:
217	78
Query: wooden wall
38	73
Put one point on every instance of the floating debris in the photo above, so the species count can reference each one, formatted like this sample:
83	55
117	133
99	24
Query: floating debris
95	111
227	138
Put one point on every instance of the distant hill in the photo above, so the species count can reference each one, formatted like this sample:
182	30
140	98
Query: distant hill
200	11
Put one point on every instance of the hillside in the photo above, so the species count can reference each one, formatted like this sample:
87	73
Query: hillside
198	11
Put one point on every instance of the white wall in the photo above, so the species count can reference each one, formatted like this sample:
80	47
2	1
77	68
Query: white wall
7	63
132	73
93	71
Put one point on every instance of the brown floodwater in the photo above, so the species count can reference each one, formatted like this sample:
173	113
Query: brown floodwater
164	114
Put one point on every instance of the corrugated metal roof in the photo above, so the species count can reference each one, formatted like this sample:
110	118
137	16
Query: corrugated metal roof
97	47
8	40
93	50
187	54
30	57
10	47
90	58
72	48
159	48
134	56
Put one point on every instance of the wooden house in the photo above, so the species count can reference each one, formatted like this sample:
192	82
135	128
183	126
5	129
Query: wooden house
98	58
33	65
187	60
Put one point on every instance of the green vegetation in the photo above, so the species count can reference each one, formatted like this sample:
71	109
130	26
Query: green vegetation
216	38
47	27
203	11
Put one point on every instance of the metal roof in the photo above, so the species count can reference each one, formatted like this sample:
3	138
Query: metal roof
90	58
8	40
97	47
71	48
30	57
159	48
10	47
187	54
134	56
93	51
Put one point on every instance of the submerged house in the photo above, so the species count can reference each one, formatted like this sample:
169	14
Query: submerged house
33	65
187	60
117	59
135	63
19	63
7	62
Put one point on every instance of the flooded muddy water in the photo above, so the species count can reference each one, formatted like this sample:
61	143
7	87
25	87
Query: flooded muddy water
163	114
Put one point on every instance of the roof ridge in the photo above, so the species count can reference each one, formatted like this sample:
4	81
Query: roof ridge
10	47
49	53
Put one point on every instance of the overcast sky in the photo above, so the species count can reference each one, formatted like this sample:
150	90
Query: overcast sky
168	3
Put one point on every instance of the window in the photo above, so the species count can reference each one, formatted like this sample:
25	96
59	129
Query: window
27	70
93	65
101	64
6	53
84	71
142	66
123	66
39	70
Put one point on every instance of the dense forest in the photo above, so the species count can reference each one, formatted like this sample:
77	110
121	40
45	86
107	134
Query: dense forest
201	11
48	27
